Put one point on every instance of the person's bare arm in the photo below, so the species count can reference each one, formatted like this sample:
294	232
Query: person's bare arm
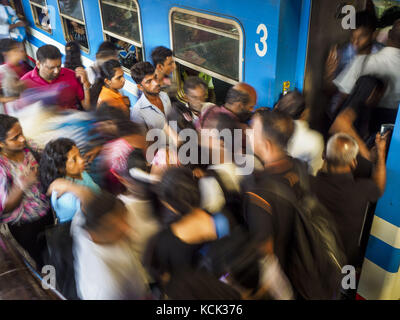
379	174
82	76
331	66
62	186
344	123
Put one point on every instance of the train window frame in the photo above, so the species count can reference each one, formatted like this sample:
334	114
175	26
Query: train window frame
119	37
36	18
216	19
65	17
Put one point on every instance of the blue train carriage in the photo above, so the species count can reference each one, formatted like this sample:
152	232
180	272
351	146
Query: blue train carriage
260	42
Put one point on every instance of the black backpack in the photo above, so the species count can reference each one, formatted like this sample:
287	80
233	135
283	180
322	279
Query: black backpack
316	254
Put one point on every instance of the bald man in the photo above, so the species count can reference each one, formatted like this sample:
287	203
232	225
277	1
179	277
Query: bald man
249	90
347	197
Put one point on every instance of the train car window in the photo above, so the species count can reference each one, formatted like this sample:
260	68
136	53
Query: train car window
207	44
121	25
73	22
41	14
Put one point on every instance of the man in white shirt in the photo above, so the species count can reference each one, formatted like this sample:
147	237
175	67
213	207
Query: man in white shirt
305	144
153	105
384	65
106	265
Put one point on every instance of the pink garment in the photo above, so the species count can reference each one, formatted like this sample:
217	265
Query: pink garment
116	154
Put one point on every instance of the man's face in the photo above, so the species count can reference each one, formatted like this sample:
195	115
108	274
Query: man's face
150	85
168	66
49	69
361	39
196	97
15	140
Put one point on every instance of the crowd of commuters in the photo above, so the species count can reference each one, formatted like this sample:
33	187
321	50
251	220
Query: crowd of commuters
83	188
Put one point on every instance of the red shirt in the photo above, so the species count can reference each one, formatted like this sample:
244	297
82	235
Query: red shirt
69	96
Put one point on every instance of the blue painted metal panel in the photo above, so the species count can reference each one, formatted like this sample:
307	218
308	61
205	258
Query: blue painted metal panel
383	255
303	44
389	205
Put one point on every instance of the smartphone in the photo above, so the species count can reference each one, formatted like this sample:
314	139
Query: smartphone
386	127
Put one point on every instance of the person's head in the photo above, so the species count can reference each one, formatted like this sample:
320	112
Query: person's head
341	151
106	51
179	190
72	55
239	103
394	35
113	75
106	219
163	61
181	115
48	62
271	133
250	91
60	158
11	51
363	36
292	103
12	139
145	78
196	92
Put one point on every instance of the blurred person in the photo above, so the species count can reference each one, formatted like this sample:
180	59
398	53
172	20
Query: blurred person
106	265
61	159
357	112
164	64
362	43
48	71
9	21
13	55
106	51
305	144
153	105
23	206
73	56
383	65
107	86
347	197
195	95
77	32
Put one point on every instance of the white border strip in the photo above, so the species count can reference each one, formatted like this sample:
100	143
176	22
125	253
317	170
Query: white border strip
386	232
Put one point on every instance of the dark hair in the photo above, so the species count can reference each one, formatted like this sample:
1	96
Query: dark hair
98	207
181	114
141	70
48	52
72	55
128	127
159	55
389	16
53	161
365	19
107	71
292	103
106	49
7	45
105	112
6	123
234	96
193	82
277	126
180	189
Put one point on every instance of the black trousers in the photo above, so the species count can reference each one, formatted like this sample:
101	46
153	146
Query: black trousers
32	238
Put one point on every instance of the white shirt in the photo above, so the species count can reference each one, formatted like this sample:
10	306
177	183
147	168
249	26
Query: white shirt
4	24
384	64
105	272
307	145
144	112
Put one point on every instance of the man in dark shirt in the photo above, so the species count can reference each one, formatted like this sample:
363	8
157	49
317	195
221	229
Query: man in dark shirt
270	219
347	197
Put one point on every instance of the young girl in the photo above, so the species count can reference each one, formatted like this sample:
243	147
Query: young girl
22	204
61	159
106	89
